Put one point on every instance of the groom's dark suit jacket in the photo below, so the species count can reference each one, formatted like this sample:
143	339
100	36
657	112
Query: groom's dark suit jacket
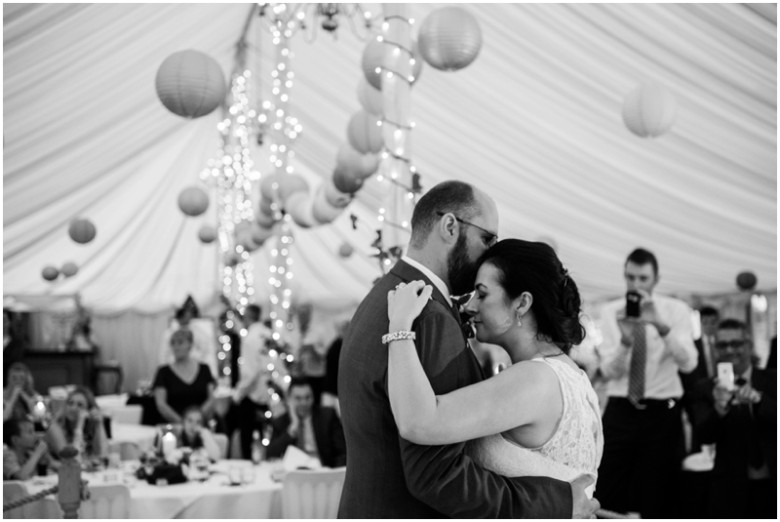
389	477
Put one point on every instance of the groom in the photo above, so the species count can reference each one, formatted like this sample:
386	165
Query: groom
387	476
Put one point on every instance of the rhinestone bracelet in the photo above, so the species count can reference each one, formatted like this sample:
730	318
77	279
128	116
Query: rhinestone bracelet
398	336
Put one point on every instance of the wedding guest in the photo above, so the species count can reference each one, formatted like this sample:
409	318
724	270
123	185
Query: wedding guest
79	424
641	355
204	344
740	418
195	435
250	399
185	382
23	451
19	394
312	428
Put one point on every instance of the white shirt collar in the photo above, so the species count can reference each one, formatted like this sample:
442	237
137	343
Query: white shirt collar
436	280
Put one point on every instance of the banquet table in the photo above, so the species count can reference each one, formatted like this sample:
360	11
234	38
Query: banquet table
259	497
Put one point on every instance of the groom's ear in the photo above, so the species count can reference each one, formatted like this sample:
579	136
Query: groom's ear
523	303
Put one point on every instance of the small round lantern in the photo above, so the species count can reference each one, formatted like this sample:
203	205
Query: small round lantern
346	250
82	231
260	234
650	110
364	134
334	196
370	98
207	234
50	273
69	269
288	184
190	83
299	208
746	280
374	57
321	209
193	201
450	38
345	181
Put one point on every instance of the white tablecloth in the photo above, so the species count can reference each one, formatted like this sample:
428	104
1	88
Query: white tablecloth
213	498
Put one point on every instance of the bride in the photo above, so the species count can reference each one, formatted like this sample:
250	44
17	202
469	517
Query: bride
538	417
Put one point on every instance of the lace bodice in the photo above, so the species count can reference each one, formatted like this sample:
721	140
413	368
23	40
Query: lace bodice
574	448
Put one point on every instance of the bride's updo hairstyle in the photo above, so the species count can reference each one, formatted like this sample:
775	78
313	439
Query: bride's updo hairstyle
533	267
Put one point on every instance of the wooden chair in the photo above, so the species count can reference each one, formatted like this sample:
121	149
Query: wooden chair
312	493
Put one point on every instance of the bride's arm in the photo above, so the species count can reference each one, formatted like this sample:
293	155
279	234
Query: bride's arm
485	408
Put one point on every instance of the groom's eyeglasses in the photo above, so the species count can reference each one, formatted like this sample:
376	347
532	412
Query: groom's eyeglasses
488	237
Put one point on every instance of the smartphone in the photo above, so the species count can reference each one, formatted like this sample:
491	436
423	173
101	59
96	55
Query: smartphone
632	304
726	375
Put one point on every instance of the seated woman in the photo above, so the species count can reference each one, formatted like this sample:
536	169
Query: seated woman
23	451
183	383
19	394
79	424
196	436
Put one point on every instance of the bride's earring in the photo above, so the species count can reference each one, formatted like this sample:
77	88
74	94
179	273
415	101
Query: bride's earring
519	319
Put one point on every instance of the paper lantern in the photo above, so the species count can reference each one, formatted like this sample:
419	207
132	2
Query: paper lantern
50	273
345	181
299	207
207	233
321	209
650	110
746	280
354	164
288	185
193	201
346	250
364	134
449	38
69	269
370	98
374	56
190	84
82	231
334	196
261	234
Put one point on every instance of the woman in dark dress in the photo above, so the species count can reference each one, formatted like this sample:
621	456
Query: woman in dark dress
183	383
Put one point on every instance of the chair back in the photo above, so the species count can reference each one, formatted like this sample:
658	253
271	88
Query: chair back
222	441
312	493
106	501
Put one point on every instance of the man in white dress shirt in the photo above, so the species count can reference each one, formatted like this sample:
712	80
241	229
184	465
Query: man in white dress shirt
641	355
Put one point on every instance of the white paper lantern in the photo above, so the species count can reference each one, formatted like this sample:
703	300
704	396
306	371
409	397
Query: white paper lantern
193	201
364	134
370	98
299	205
190	83
450	38
261	234
82	231
207	233
346	250
69	269
50	273
346	181
334	196
321	209
288	185
374	56
650	110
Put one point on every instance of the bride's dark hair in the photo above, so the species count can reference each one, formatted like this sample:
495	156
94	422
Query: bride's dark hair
527	266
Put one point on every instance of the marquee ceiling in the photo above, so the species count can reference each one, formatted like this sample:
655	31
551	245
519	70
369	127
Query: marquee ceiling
535	121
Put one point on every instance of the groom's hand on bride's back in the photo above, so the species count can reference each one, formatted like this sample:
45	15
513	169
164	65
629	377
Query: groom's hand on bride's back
582	506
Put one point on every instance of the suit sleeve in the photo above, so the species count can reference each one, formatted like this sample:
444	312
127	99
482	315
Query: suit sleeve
705	419
280	438
445	477
766	409
336	437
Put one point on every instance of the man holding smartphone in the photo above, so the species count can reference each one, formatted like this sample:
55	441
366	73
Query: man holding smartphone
737	411
647	340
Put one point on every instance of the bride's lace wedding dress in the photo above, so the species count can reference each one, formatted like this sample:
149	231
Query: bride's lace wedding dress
574	448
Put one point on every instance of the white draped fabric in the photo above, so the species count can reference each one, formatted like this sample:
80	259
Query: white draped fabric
535	121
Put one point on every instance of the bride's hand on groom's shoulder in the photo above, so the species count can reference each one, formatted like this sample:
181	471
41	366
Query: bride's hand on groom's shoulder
406	302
